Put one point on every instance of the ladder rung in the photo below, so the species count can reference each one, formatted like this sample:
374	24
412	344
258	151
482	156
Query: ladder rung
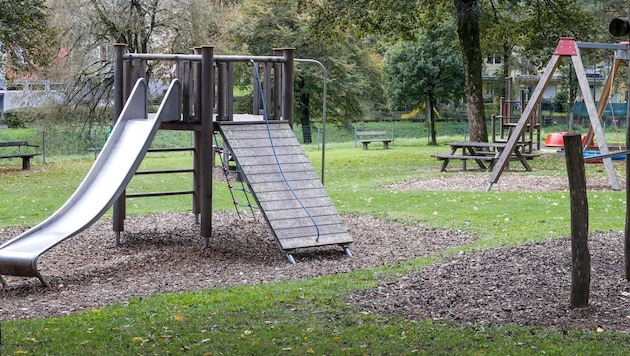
172	149
164	171
158	194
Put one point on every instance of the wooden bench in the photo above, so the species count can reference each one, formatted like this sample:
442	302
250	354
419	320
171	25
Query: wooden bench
367	137
17	151
464	158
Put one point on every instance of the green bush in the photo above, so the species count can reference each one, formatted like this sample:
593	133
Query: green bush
18	118
243	103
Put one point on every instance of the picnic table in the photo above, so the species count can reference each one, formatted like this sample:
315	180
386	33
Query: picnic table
485	154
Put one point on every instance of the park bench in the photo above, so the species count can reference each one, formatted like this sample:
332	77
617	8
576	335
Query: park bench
367	137
16	149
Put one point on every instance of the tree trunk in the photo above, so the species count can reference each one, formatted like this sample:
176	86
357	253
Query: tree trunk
580	255
305	118
303	110
468	33
505	72
431	112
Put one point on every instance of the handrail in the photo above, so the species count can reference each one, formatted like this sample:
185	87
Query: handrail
197	57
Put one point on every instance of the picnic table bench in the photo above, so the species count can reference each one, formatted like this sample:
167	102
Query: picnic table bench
15	149
367	137
485	154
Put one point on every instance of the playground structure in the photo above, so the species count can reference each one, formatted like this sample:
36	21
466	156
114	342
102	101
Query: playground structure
503	125
569	47
200	99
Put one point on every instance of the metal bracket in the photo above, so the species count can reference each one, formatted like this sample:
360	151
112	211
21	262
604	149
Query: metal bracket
347	251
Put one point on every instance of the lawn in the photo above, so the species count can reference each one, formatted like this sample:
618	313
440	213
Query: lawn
311	316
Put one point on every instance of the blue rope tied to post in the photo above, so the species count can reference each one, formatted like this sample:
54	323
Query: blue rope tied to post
273	148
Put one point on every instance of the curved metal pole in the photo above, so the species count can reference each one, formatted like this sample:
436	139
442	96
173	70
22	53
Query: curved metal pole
324	71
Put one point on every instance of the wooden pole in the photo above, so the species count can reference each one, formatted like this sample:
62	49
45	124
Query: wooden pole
118	211
553	64
626	240
580	255
205	151
287	86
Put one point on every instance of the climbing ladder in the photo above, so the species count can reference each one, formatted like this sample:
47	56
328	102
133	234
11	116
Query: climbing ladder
225	158
285	186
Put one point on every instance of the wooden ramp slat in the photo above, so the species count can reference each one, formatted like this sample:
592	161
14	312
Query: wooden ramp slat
265	162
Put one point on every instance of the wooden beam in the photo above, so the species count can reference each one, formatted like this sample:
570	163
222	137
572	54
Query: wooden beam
522	122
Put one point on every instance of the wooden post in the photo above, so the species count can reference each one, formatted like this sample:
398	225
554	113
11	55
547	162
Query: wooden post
626	240
287	85
580	255
196	112
277	87
118	211
205	151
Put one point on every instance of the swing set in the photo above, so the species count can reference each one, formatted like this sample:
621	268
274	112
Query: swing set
569	47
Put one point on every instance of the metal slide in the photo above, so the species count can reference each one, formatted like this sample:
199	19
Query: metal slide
113	169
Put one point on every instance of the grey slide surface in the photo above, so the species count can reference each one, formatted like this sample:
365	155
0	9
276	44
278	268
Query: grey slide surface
113	169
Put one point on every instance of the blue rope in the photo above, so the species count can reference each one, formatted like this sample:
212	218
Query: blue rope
273	148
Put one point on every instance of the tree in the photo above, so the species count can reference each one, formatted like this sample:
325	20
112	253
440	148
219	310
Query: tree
424	71
469	39
91	27
397	20
352	72
25	34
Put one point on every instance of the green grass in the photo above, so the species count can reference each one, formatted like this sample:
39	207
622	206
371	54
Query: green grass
311	316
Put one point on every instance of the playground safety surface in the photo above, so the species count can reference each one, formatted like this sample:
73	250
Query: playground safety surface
164	253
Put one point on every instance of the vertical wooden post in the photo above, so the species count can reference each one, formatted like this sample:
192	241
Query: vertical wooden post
196	112
118	212
287	85
277	87
205	149
256	94
626	240
221	91
266	83
229	105
580	255
183	68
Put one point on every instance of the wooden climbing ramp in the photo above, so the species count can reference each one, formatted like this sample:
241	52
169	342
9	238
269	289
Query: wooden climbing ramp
284	184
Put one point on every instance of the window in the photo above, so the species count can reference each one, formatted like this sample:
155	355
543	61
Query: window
493	60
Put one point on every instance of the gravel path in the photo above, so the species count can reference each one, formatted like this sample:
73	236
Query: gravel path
525	285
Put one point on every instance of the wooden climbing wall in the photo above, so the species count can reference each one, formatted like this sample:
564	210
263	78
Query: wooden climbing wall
285	185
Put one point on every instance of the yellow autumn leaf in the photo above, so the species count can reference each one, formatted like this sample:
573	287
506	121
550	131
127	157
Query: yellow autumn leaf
310	351
178	317
336	339
20	352
137	339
